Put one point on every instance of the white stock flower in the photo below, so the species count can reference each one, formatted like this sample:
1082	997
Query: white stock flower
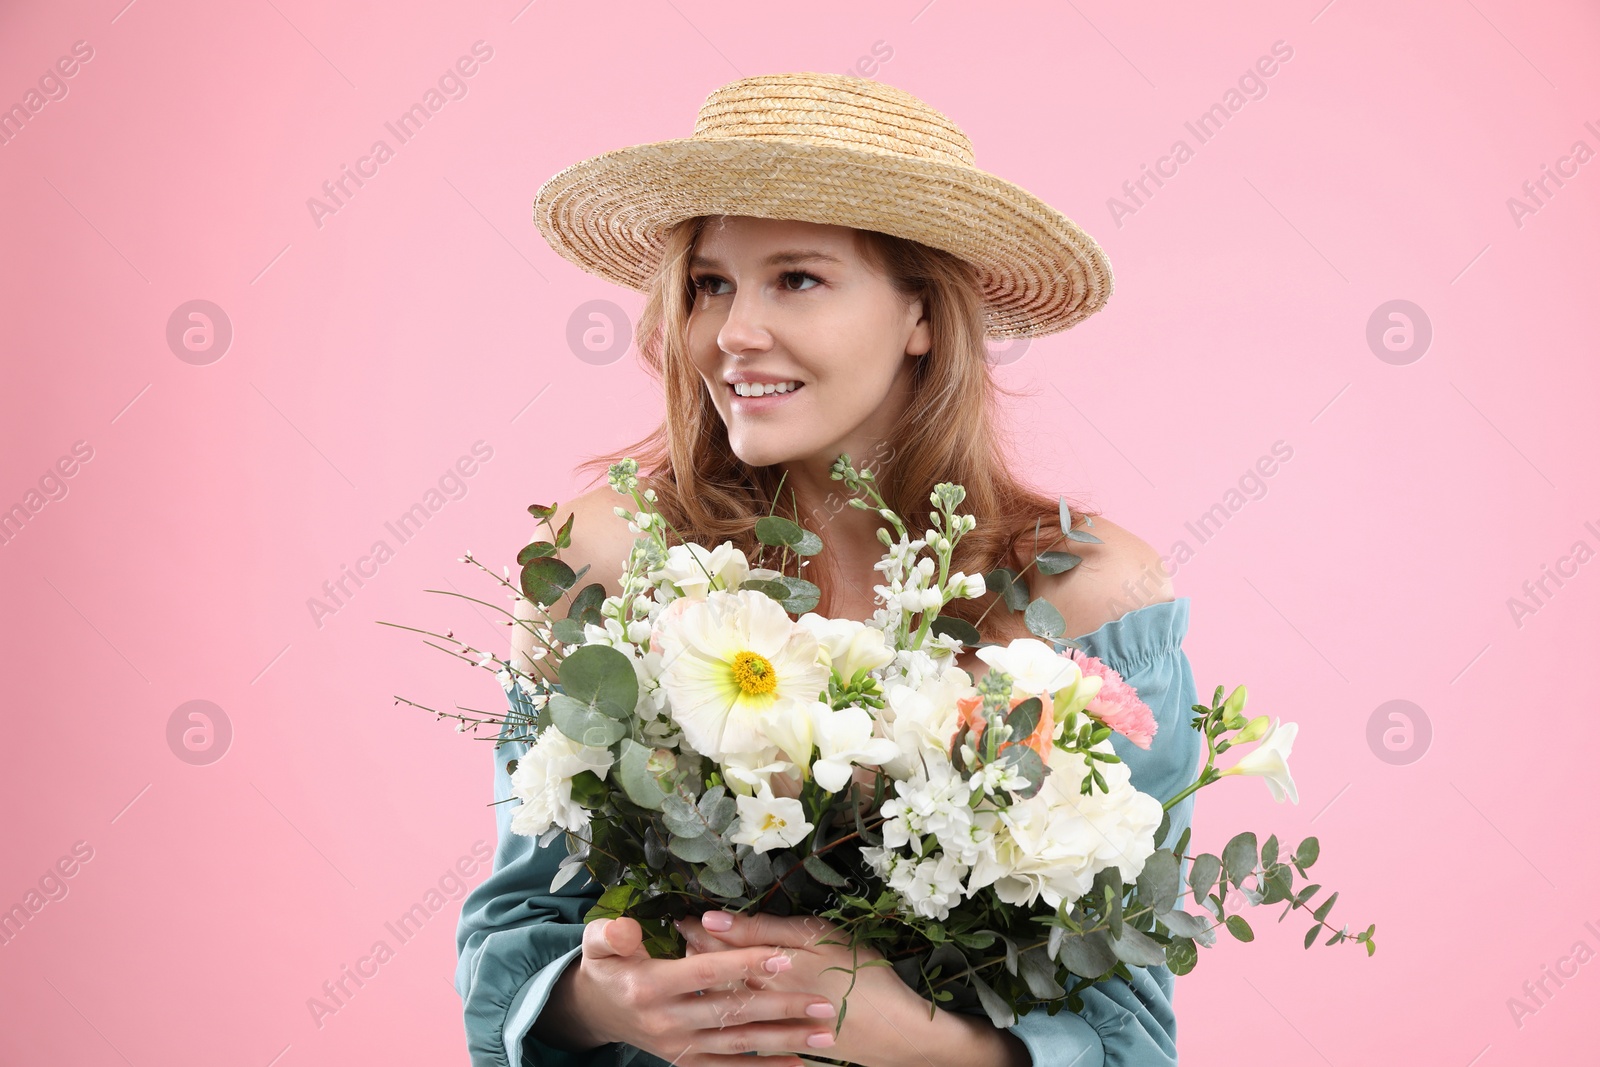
767	822
1036	667
543	782
691	568
732	664
751	772
845	737
848	645
1270	760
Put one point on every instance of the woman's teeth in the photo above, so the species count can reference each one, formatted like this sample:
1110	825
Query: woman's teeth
763	388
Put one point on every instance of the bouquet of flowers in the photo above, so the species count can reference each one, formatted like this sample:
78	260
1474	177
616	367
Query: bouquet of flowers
707	741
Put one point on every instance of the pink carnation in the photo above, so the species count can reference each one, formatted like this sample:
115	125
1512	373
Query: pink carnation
1117	704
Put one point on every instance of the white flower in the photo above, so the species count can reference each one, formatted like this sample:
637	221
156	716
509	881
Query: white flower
767	822
1052	844
921	719
931	886
971	585
543	781
848	645
751	772
1270	760
844	737
1036	667
732	664
691	568
931	802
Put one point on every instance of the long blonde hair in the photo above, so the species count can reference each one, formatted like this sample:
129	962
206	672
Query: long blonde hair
949	432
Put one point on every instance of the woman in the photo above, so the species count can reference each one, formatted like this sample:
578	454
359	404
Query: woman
829	238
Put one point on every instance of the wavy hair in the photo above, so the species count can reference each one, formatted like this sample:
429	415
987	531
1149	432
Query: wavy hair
949	432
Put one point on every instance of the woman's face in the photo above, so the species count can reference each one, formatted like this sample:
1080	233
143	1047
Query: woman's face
784	301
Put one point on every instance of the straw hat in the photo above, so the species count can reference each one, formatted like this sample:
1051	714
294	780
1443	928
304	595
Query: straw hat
835	149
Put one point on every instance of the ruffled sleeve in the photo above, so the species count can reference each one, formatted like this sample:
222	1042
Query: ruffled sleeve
516	937
1131	1023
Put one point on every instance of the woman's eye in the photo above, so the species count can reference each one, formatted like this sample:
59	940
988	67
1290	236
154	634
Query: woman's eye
706	282
801	274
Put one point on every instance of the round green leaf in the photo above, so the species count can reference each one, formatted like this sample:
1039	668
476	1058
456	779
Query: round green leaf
546	579
603	677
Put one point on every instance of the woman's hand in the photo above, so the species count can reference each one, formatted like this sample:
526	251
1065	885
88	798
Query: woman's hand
886	1022
618	992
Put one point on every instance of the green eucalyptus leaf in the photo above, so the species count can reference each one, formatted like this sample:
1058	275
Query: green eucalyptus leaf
1269	851
546	579
1326	906
1182	956
1138	948
717	808
1158	881
1024	717
817	868
567	631
693	849
1182	924
1239	856
1038	970
721	883
586	605
589	789
1056	562
1012	588
778	531
1044	620
722	858
1240	929
536	550
681	816
633	772
1306	854
960	629
1088	955
603	677
756	867
1203	875
584	724
994	1005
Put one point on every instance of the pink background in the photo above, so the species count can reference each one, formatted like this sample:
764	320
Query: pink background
372	351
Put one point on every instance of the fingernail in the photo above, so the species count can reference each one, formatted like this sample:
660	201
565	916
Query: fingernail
820	1040
776	963
716	920
820	1011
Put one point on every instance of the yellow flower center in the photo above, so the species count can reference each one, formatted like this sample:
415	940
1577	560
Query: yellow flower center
754	673
769	821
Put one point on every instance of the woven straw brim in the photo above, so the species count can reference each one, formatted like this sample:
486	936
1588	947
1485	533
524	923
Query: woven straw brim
1039	272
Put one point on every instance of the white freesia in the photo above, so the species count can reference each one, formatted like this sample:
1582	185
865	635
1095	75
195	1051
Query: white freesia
543	782
691	568
845	737
848	645
732	664
767	822
1270	760
752	772
1035	667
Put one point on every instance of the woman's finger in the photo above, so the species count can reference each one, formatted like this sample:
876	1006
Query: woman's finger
696	937
762	928
716	970
736	1007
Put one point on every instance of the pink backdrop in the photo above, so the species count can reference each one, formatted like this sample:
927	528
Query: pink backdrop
186	499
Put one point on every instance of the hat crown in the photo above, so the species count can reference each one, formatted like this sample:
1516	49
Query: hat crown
837	110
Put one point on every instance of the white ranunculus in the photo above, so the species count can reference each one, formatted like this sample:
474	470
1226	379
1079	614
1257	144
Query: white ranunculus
1036	667
732	665
845	737
543	782
767	822
692	567
848	645
1270	760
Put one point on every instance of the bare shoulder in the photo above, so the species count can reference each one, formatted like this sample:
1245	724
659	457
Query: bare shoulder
601	541
1118	575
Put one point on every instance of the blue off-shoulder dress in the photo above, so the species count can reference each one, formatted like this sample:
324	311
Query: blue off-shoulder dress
515	937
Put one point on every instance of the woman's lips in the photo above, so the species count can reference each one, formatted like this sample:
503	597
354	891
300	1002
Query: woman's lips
752	405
